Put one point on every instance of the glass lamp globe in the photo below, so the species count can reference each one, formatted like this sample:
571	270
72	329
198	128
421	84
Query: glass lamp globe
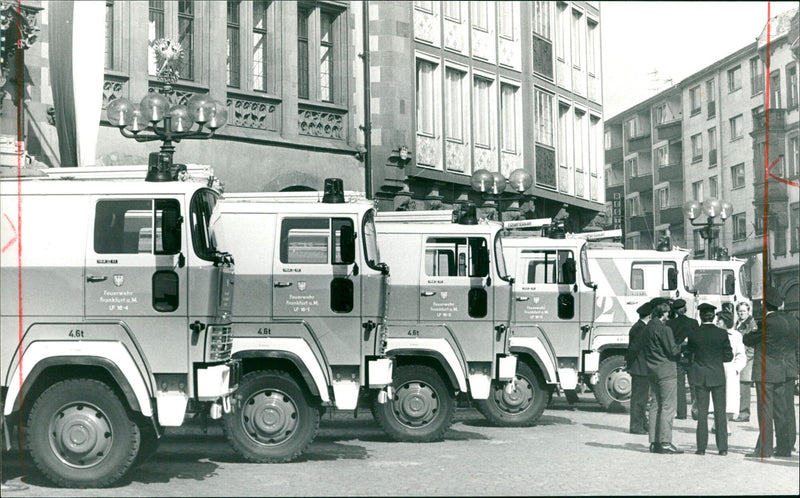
137	122
520	180
119	112
691	209
725	210
711	207
201	108
481	180
219	117
181	119
498	183
154	107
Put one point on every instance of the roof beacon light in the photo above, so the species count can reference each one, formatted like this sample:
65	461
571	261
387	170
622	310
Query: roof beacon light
334	191
159	167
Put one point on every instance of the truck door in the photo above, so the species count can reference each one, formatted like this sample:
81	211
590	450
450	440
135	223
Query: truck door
546	297
136	271
456	289
316	281
646	281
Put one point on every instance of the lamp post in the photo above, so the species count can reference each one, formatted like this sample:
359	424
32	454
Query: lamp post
493	185
159	116
711	208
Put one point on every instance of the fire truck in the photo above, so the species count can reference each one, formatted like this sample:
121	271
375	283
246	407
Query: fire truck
722	282
104	342
448	323
309	315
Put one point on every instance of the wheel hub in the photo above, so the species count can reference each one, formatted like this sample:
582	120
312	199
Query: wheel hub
619	384
516	397
415	404
80	435
270	417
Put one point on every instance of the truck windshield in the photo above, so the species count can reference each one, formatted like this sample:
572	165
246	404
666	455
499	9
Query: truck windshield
688	282
371	253
744	282
715	282
201	207
502	272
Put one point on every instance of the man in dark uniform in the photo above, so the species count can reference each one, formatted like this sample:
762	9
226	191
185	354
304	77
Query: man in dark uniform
637	368
773	343
681	326
710	348
661	355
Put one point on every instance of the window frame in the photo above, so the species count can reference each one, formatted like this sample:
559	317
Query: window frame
735	175
695	101
697	147
735	78
736	124
739	232
339	42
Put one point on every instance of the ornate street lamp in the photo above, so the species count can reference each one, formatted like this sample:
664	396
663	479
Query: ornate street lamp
494	184
712	208
159	116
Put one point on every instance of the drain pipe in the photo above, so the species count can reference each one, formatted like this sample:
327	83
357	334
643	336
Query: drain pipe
367	126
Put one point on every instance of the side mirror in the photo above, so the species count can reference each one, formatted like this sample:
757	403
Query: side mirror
347	244
568	272
171	222
672	279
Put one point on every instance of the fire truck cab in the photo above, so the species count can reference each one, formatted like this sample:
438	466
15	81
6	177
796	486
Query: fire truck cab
448	321
309	316
723	283
104	340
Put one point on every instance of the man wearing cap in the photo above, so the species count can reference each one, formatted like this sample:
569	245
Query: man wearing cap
681	327
637	368
661	355
710	348
774	371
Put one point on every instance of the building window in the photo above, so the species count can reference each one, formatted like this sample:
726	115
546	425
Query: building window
632	167
233	66
794	223
793	157
505	20
186	36
735	79
606	140
711	101
775	89
454	104
541	19
544	118
542	40
697	147
660	113
563	137
737	127
452	11
663	198
632	206
712	146
509	105
326	57
737	176
482	110
155	30
591	50
302	51
780	240
480	15
697	190
577	39
694	100
739	222
109	46
426	98
662	156
791	87
713	187
756	76
631	128
318	76
562	29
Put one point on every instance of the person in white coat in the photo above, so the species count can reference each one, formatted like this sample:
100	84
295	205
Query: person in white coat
733	367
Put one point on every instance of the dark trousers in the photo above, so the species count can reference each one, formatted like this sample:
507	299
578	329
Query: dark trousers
720	418
640	392
662	412
773	415
744	399
786	425
681	393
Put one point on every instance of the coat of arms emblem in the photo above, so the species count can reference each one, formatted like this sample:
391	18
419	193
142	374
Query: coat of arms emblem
301	286
118	279
443	294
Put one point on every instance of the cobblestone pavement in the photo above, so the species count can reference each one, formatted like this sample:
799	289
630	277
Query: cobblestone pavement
584	451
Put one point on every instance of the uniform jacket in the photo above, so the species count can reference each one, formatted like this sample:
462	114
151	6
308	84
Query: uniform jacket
635	358
710	348
662	351
781	343
682	326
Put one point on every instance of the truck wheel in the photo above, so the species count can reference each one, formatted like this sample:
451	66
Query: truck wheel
422	406
522	407
149	441
80	434
274	420
613	388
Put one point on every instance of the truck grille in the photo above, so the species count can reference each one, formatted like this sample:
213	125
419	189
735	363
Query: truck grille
220	343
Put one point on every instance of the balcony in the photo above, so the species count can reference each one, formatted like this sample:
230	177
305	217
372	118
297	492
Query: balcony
640	143
777	121
613	155
641	223
671	215
640	183
669	130
670	172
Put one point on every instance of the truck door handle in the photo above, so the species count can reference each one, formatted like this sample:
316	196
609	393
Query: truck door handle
523	298
630	302
96	278
283	284
427	293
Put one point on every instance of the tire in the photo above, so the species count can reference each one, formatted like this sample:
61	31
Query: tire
521	408
422	406
149	441
275	419
81	435
613	388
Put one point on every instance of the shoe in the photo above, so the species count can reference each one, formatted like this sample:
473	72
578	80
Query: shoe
655	448
757	454
782	453
639	432
700	452
723	453
681	418
670	448
741	419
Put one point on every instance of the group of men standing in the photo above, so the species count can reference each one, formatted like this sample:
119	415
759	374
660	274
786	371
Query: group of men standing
662	351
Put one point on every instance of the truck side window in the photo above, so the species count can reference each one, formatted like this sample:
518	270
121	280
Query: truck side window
305	240
455	257
670	276
637	279
127	226
550	267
